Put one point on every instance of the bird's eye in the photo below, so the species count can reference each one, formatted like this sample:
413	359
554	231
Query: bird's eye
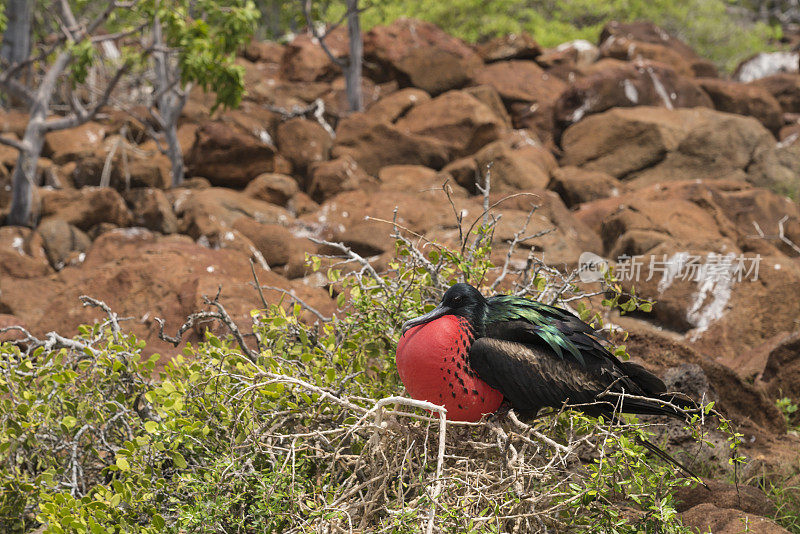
458	299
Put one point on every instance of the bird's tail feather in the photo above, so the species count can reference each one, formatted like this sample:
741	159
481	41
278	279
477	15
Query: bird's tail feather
650	446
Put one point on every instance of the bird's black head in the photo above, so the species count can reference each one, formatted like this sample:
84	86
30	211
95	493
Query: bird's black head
462	300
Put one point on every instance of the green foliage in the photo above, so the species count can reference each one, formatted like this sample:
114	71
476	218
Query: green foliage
709	26
206	45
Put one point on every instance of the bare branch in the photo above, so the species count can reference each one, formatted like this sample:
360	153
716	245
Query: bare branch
13	143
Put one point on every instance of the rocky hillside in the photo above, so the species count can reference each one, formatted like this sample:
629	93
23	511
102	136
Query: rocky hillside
635	147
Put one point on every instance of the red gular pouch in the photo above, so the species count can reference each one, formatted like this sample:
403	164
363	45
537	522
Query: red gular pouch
433	363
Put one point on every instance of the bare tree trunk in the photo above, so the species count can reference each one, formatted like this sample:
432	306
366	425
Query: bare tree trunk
32	141
353	69
170	99
17	37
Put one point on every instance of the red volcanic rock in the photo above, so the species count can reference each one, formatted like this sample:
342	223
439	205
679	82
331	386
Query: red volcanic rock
145	275
512	46
647	145
459	121
385	47
576	185
744	99
516	168
11	335
304	60
394	105
75	143
85	207
60	240
641	34
435	70
327	178
212	212
303	143
528	89
707	517
228	156
266	51
374	144
144	167
785	87
151	209
274	188
22	254
628	85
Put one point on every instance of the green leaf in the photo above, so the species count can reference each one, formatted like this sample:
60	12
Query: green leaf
151	427
69	421
123	464
179	460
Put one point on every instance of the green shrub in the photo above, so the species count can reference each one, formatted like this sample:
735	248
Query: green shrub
291	434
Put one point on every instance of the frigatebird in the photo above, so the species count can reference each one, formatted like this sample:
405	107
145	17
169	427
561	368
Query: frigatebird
471	353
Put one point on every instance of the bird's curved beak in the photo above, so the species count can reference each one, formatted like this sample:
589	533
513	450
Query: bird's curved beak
428	317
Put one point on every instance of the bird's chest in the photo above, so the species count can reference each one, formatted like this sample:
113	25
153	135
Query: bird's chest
433	363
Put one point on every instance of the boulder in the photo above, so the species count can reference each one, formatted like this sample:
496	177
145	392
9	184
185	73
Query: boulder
393	106
707	517
576	185
643	32
785	87
228	156
22	254
568	58
385	47
566	237
781	368
514	168
280	248
627	85
264	51
304	60
374	144
328	178
212	212
491	98
85	207
337	106
723	495
744	99
146	275
11	335
61	240
74	143
416	179
646	145
435	70
303	143
151	209
528	90
626	49
274	188
510	46
127	166
459	121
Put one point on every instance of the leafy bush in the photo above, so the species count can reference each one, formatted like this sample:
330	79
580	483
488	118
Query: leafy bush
305	431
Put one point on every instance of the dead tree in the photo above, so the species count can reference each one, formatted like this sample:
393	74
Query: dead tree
351	65
38	100
169	99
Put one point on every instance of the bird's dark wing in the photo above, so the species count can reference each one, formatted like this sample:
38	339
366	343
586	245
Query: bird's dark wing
531	377
532	323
